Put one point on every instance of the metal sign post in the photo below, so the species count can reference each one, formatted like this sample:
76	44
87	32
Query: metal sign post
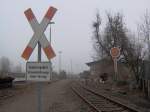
39	96
115	69
50	40
39	84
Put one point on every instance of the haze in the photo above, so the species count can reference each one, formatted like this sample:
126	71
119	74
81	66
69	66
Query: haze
71	32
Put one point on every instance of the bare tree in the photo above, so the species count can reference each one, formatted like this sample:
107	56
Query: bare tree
144	34
18	69
134	55
98	41
114	34
144	30
5	65
63	74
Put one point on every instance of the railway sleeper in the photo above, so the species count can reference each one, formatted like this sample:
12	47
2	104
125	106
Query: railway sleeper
111	109
103	103
107	106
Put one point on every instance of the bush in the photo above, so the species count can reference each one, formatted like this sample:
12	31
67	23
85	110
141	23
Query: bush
122	83
6	82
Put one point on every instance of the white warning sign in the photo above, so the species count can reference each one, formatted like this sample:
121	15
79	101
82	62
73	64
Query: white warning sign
38	71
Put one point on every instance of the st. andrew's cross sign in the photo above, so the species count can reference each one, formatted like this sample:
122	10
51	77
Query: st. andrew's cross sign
39	35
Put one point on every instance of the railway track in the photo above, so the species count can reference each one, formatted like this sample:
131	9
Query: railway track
100	103
5	94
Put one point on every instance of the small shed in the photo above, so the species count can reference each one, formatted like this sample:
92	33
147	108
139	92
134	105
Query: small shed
106	65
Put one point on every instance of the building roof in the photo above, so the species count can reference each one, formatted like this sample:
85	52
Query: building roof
93	62
98	61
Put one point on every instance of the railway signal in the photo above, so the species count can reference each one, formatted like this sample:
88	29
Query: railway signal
115	53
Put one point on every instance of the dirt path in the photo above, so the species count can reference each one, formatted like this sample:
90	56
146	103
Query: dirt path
57	97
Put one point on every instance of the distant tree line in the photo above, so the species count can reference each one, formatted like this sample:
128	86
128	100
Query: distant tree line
61	75
7	66
84	75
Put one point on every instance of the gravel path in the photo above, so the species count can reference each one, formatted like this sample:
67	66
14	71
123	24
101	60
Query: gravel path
57	97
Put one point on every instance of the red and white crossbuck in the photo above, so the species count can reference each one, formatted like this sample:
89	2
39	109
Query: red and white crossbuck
39	35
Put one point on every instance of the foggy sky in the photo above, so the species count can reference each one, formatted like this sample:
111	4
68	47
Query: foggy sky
71	32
